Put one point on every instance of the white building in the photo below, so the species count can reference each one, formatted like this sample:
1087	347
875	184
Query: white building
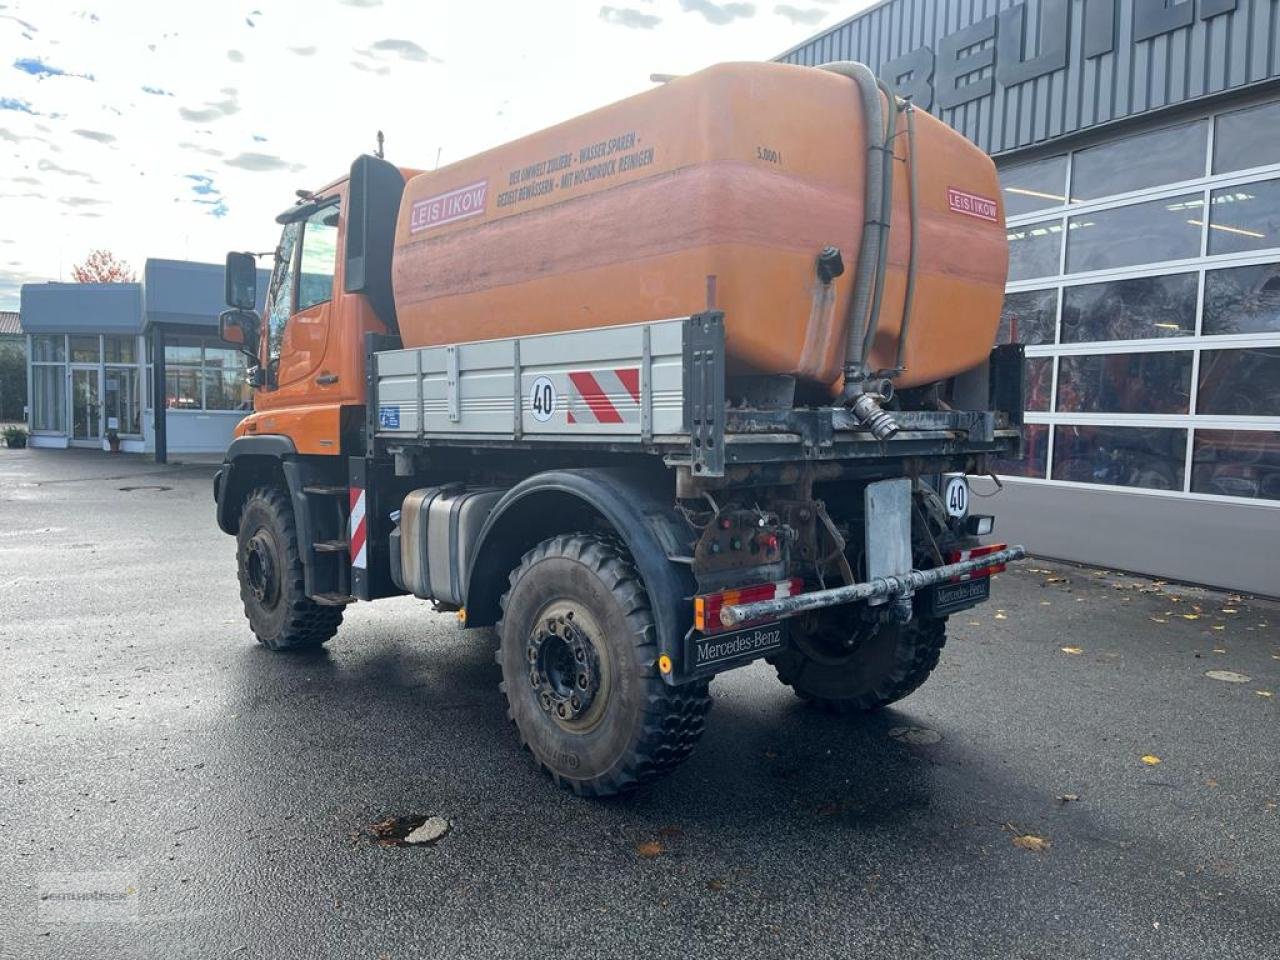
140	361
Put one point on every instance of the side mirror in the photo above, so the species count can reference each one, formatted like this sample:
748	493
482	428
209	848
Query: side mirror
241	281
229	329
240	329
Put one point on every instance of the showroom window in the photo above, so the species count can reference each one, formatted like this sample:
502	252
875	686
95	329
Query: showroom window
96	374
1144	281
203	374
121	386
49	383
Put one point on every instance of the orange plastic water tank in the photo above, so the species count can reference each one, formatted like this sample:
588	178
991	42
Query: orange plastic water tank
716	190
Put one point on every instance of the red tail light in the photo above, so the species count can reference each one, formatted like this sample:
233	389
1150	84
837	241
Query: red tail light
957	556
706	609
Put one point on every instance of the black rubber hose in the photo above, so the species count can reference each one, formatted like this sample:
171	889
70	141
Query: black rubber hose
886	218
873	204
913	215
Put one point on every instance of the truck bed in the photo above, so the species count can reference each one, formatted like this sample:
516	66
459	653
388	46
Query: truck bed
648	387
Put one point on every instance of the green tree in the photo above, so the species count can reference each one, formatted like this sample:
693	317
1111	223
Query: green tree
13	381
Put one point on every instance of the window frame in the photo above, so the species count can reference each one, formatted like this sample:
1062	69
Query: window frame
203	367
1201	265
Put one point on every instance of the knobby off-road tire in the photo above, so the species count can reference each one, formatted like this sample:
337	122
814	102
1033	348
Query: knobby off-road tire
888	661
280	614
578	651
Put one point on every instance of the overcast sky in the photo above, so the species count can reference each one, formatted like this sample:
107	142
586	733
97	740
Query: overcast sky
179	129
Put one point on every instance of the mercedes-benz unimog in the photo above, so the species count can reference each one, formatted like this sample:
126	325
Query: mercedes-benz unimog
683	383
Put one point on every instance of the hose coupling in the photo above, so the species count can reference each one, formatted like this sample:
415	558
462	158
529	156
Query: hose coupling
869	413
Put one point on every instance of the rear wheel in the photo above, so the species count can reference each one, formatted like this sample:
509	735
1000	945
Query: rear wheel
280	614
578	653
842	663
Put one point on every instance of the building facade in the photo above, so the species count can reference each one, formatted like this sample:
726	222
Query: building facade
1138	145
138	361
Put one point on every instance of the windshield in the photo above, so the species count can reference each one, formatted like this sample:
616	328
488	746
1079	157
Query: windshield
280	294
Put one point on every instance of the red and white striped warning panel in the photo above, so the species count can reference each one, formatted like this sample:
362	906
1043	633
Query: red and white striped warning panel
604	396
359	532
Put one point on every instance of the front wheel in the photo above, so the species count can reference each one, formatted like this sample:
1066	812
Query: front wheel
841	663
578	651
280	614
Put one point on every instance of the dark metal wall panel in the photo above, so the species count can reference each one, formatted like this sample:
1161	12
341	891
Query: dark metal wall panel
1136	56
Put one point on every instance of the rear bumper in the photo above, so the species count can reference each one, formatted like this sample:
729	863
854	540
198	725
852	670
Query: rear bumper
881	588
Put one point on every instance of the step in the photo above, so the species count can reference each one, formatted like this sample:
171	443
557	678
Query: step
325	490
330	546
333	599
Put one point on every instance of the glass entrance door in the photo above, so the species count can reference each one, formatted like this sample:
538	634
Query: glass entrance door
86	405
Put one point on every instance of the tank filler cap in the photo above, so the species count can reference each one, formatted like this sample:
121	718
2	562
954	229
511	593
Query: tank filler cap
830	264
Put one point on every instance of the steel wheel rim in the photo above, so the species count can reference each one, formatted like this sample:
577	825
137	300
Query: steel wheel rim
570	677
260	569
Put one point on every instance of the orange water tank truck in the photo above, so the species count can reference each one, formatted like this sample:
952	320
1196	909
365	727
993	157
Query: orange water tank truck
686	382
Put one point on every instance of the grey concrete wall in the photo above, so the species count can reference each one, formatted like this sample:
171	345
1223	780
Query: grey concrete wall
1235	546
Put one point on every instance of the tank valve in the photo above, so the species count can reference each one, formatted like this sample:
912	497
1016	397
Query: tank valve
830	264
869	414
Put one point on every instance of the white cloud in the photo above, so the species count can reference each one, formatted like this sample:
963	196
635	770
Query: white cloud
810	16
492	72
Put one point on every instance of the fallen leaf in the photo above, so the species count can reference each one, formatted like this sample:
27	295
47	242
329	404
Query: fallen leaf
1219	649
1001	616
432	829
1264	693
648	849
1230	610
1072	650
1158	620
1219	626
715	886
670	830
1068	797
828	809
1191	616
1029	841
1046	603
1055	579
1150	759
1227	676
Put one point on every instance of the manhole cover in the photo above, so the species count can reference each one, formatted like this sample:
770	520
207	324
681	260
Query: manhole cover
145	486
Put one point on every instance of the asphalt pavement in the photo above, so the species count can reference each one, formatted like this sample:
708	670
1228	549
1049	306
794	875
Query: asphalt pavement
1070	784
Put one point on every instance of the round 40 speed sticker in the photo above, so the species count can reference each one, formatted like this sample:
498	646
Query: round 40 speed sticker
957	496
542	399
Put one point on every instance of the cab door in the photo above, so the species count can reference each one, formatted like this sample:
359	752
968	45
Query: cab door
300	314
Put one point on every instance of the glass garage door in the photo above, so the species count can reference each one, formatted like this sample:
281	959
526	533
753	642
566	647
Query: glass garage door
1145	281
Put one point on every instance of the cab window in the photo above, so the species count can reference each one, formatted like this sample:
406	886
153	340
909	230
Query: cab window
280	294
319	257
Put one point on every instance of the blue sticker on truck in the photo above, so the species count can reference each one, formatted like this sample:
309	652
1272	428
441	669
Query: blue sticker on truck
389	416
